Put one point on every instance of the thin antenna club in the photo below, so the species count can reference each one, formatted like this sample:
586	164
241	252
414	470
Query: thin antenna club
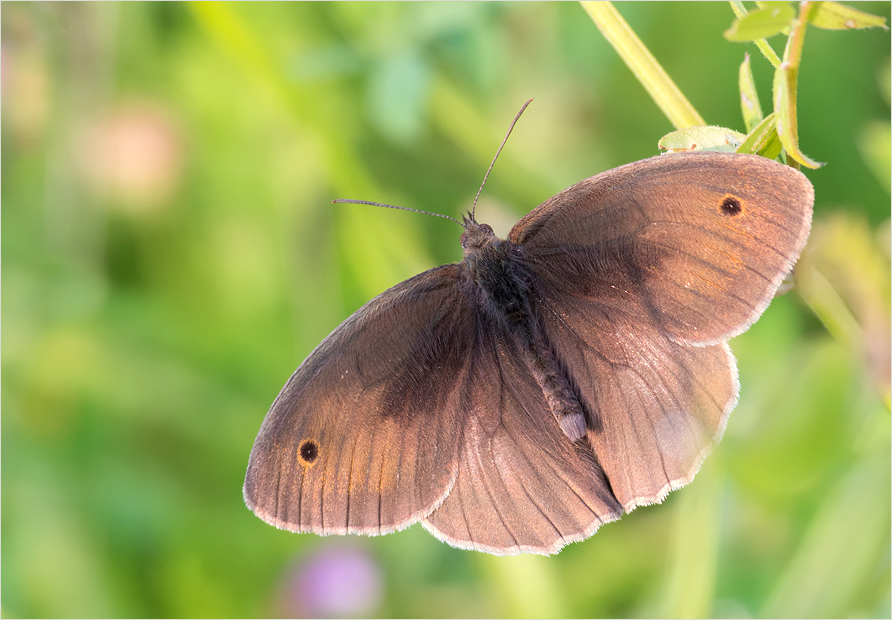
476	198
486	176
378	204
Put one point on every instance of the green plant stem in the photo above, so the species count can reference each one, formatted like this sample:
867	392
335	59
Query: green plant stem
643	65
793	51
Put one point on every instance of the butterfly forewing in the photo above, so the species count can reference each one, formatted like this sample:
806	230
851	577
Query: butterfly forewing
364	437
702	239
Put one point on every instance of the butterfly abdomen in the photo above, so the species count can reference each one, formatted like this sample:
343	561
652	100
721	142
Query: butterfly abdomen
505	293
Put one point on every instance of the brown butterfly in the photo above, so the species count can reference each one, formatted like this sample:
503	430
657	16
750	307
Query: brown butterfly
515	401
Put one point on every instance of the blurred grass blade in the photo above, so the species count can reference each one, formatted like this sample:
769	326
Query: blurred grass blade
749	98
876	150
374	249
836	16
829	307
706	138
761	24
767	51
842	547
844	275
527	585
763	139
643	65
693	559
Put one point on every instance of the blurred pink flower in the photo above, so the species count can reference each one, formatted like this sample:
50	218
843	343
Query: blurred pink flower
133	156
334	582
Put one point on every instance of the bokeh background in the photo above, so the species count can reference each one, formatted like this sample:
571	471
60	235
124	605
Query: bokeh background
170	255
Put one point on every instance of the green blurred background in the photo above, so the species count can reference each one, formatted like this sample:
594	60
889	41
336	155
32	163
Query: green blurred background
170	255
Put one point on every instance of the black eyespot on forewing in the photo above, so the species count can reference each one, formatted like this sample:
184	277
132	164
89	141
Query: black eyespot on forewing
731	206
308	451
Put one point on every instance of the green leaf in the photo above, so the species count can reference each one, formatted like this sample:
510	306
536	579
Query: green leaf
772	5
749	99
763	139
785	108
769	54
760	24
836	16
703	138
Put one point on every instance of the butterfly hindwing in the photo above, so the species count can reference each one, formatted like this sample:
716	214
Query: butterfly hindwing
522	485
655	407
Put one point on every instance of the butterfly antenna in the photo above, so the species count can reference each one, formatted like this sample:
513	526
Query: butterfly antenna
486	176
378	204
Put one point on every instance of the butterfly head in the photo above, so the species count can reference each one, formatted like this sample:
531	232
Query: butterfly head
476	236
